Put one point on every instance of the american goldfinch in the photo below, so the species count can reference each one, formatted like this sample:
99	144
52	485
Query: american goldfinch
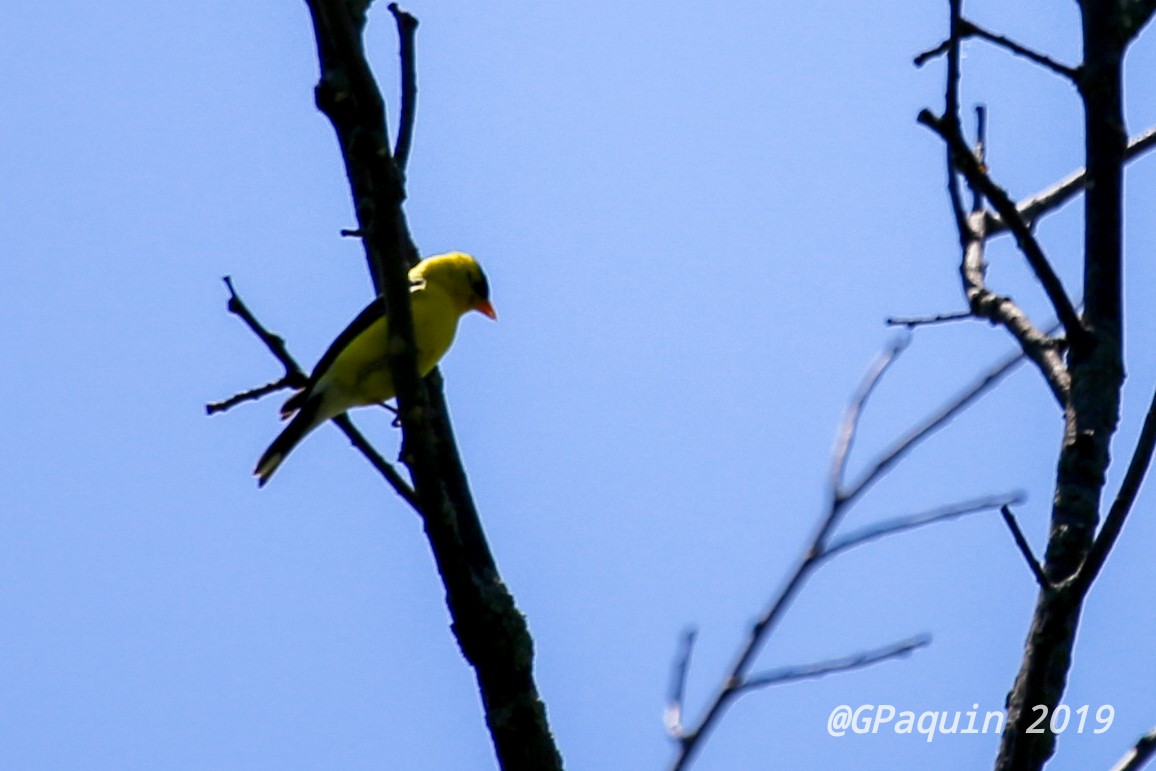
354	372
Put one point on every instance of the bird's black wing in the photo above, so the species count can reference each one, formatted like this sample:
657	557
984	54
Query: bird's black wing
372	312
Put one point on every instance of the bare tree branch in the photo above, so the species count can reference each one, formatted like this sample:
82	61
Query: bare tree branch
1000	309
1025	548
971	228
860	660
1063	70
491	632
1135	15
911	322
1138	757
850	424
676	696
933	423
295	378
384	467
275	343
961	158
912	521
1027	243
951	117
1122	505
252	395
979	152
817	551
1096	366
1033	207
407	38
969	29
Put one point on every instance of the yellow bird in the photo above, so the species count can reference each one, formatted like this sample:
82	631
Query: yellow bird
354	371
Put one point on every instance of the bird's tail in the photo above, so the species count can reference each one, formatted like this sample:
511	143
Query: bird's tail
307	419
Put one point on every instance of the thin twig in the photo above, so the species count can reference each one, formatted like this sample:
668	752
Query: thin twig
849	427
275	343
407	36
997	308
1026	241
295	378
911	322
254	394
1025	548
980	153
951	117
860	660
974	30
923	57
1122	505
912	521
1035	206
691	741
384	467
1039	346
1139	755
933	423
672	717
968	29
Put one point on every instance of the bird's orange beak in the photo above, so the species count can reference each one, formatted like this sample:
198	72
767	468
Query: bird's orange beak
485	307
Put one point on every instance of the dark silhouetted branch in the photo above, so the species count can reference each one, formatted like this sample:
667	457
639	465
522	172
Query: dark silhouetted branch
923	57
980	154
911	322
1063	70
1134	15
407	40
1044	351
252	395
968	29
951	118
295	378
1091	418
997	308
1139	755
1025	548
1033	207
275	343
490	631
1122	505
384	467
1027	243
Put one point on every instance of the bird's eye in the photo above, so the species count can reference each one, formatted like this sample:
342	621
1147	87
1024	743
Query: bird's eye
481	287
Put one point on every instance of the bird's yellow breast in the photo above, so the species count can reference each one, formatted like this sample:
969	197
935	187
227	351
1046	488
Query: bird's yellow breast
361	370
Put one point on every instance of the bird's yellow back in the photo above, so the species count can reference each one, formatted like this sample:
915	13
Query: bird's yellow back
361	369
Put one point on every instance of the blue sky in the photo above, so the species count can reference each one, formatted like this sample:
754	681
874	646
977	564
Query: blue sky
694	221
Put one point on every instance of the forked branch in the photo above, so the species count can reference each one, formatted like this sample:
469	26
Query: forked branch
295	378
1029	246
969	29
822	547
